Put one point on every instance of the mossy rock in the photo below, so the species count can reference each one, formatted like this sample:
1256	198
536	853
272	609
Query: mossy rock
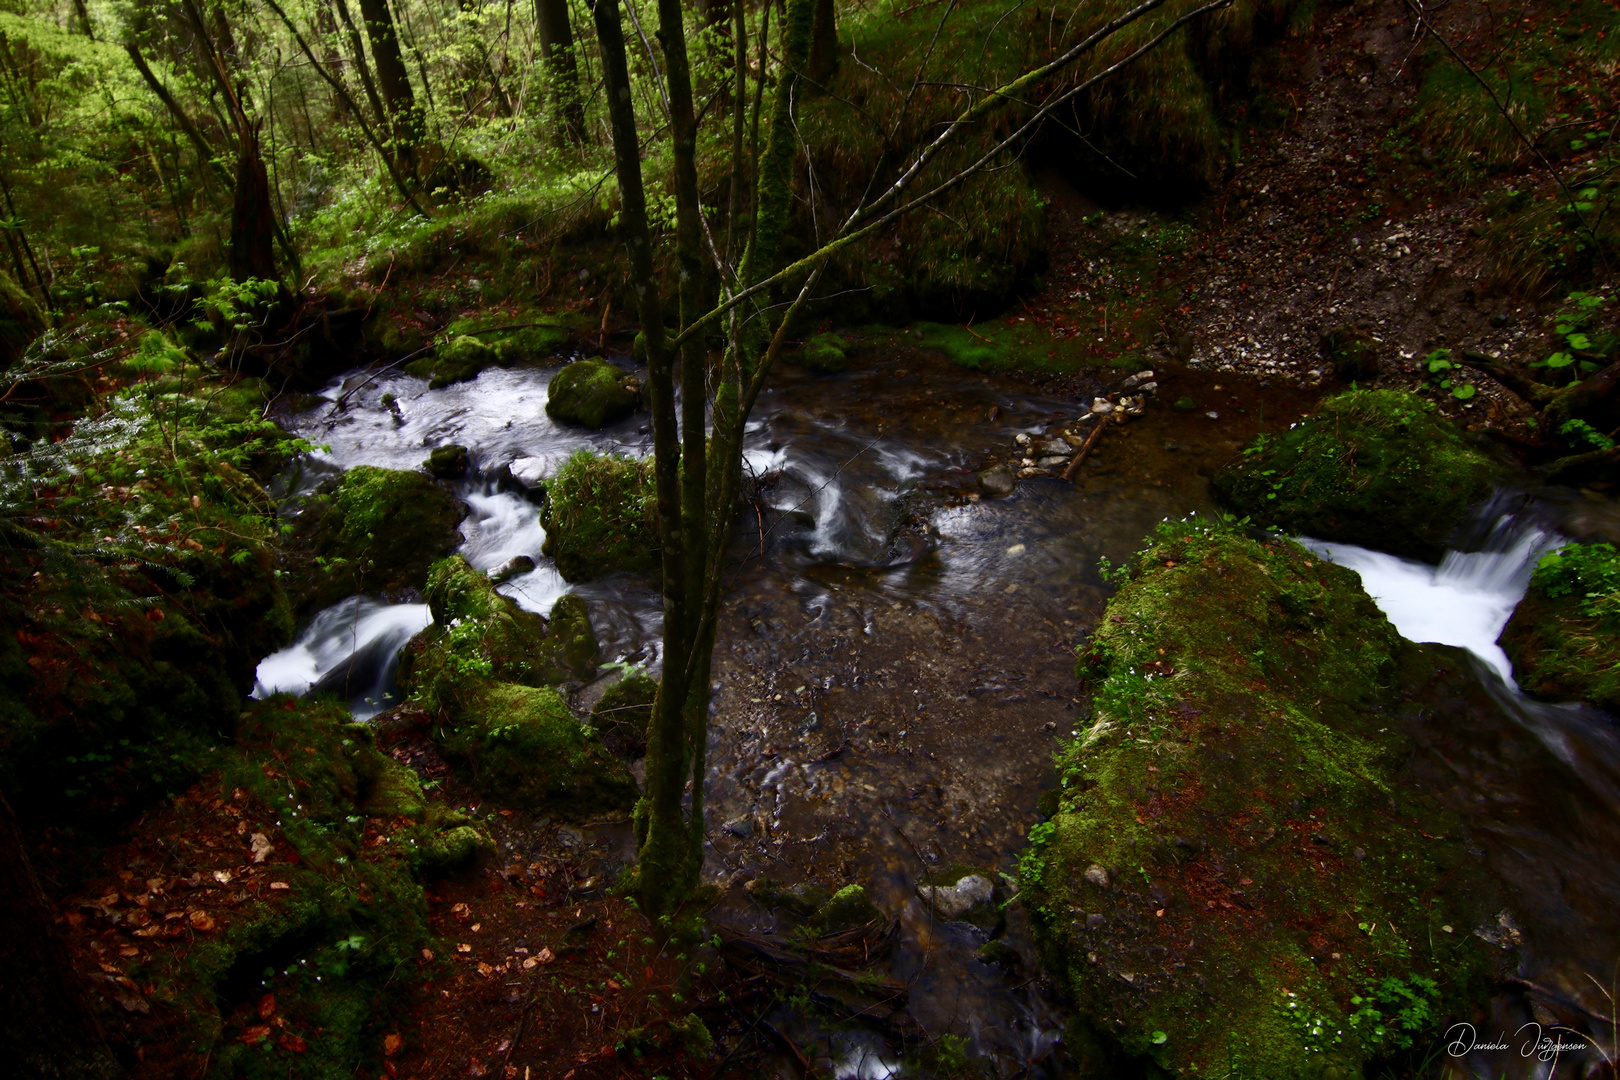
1378	468
527	750
592	393
965	894
1564	637
378	532
846	909
825	354
457	360
802	900
1238	852
478	634
447	462
599	516
623	712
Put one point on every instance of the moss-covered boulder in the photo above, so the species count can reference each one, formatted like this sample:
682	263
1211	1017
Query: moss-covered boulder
592	393
526	749
457	360
623	712
599	516
378	531
1239	878
487	669
1379	468
825	354
448	462
1564	637
479	634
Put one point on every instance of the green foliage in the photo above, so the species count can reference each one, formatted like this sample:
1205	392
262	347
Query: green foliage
592	393
599	516
1576	324
1564	637
1446	374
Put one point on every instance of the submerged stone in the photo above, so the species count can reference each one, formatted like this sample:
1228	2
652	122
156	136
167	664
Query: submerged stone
1378	468
1241	876
592	393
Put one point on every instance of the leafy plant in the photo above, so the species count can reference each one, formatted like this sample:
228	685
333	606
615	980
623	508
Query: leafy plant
1445	374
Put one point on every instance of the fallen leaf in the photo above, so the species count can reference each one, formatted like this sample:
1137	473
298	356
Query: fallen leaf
279	886
477	926
222	876
201	920
427	954
254	1034
614	986
292	1043
461	911
392	1042
260	845
485	969
267	1006
463	947
546	956
126	951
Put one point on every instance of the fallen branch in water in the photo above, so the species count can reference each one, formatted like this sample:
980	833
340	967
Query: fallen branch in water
1085	448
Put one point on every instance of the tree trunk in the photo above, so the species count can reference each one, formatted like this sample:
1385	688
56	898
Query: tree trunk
394	81
557	48
253	220
823	64
47	1028
712	12
363	69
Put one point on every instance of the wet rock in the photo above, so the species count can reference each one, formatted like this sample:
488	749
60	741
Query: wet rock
802	900
970	894
592	393
517	564
1101	406
1053	462
1379	468
998	480
457	360
848	908
1243	735
1135	380
741	827
447	462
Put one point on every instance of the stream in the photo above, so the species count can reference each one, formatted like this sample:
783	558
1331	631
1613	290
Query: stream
895	659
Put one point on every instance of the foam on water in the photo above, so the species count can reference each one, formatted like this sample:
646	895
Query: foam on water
1465	601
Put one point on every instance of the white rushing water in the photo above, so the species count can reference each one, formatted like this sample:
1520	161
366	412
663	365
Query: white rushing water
348	649
1465	601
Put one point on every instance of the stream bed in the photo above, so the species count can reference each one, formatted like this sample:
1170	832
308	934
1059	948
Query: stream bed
895	659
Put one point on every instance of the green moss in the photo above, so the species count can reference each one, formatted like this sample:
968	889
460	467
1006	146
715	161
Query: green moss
479	634
378	532
623	712
447	462
527	750
543	336
849	907
20	321
599	516
592	393
1237	851
825	354
999	345
1564	637
457	360
1379	468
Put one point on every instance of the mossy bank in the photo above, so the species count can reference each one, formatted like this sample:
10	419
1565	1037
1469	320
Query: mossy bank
1564	637
1237	880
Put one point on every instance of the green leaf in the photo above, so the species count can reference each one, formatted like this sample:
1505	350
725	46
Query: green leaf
1463	392
1160	1038
1560	360
1579	341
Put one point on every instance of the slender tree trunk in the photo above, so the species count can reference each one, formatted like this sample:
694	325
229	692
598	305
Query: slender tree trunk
394	80
205	153
81	15
363	69
47	1028
326	26
823	62
253	220
557	47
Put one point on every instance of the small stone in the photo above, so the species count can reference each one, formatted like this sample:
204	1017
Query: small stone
1097	876
1102	406
1054	462
742	827
998	480
954	901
